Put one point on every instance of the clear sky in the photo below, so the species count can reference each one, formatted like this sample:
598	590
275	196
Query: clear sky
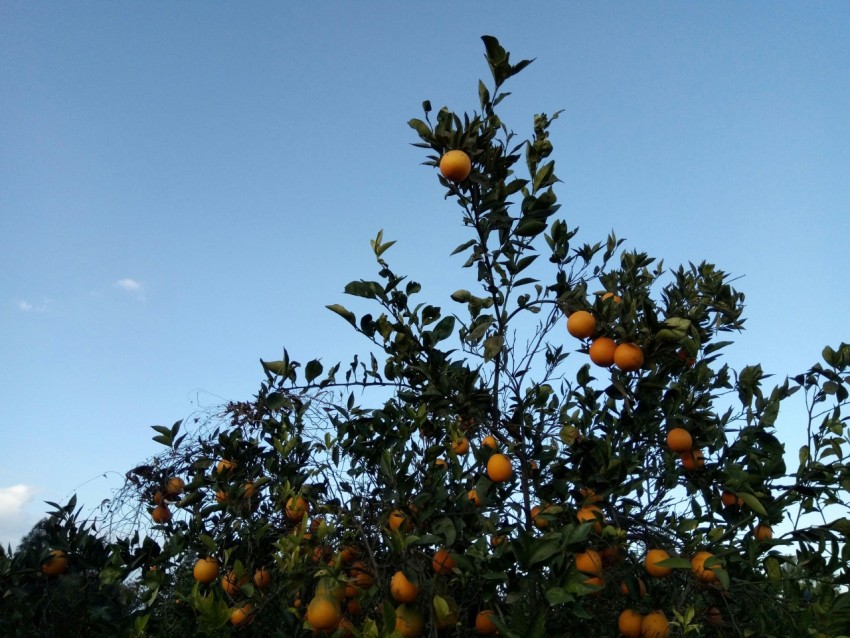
185	186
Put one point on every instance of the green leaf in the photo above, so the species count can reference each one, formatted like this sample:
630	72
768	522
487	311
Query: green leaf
443	329
461	296
343	312
312	370
544	550
493	346
420	127
559	595
752	501
530	227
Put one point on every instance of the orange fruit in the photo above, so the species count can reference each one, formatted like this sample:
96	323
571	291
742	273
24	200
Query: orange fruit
589	562
158	497
402	590
455	166
441	462
497	539
161	514
362	575
654	556
472	495
629	623
654	625
693	460
262	578
225	466
763	532
627	589
354	608
611	296
174	486
484	624
57	563
499	468
539	521
595	581
323	613
601	351
679	440
205	570
409	621
248	490
591	514
490	442
349	553
589	495
296	507
238	615
729	499
347	628
461	445
442	562
230	583
714	617
705	574
581	324
399	520
628	357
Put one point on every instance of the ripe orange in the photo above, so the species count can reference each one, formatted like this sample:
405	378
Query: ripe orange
729	499
225	466
442	562
581	324
705	574
455	166
499	468
539	521
472	495
409	621
441	462
402	590
461	445
589	495
629	623
763	532
497	539
362	575
238	615
595	581
601	351
175	486
654	556
349	553
693	460
399	520
589	562
158	497
591	514
611	296
161	514
654	625
490	442
262	578
679	440
484	624
628	589
56	564
231	583
296	507
323	613
628	357
205	570
354	608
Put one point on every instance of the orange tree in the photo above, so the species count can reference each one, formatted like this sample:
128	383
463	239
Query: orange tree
560	450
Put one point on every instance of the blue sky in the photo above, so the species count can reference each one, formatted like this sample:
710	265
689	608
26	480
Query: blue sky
186	185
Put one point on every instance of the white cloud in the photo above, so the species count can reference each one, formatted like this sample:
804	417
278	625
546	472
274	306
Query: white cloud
15	520
25	305
129	284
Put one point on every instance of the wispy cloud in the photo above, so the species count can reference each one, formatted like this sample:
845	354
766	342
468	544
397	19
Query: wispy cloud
15	520
130	285
27	306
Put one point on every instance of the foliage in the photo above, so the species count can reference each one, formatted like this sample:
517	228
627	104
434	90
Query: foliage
375	447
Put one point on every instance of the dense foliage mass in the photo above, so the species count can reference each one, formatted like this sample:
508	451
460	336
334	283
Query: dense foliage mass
559	450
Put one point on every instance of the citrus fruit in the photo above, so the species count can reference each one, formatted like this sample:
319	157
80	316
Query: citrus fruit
490	442
409	621
499	468
591	514
442	562
589	562
362	575
628	357
56	564
231	583
323	613
679	440
161	514
629	623
540	522
611	296
472	495
729	499
174	486
238	615
653	557
399	520
484	624
461	445
639	589
205	570
455	166
693	460
262	578
296	507
581	324
763	532
705	574
402	590
601	351
225	466
654	625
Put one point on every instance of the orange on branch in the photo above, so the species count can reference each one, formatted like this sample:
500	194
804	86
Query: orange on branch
262	578
461	446
240	615
490	442
323	613
499	468
693	460
591	514
628	357
231	583
484	624
205	570
409	621
629	623
442	562
601	351
679	440
763	532
611	296
654	625
225	466
161	514
175	486
56	563
472	495
399	520
653	557
730	499
402	590
455	166
581	324
589	562
296	507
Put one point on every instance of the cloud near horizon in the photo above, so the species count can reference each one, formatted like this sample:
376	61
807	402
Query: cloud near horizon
129	284
15	521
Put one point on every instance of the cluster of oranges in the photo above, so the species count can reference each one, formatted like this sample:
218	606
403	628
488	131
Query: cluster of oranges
171	491
604	351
